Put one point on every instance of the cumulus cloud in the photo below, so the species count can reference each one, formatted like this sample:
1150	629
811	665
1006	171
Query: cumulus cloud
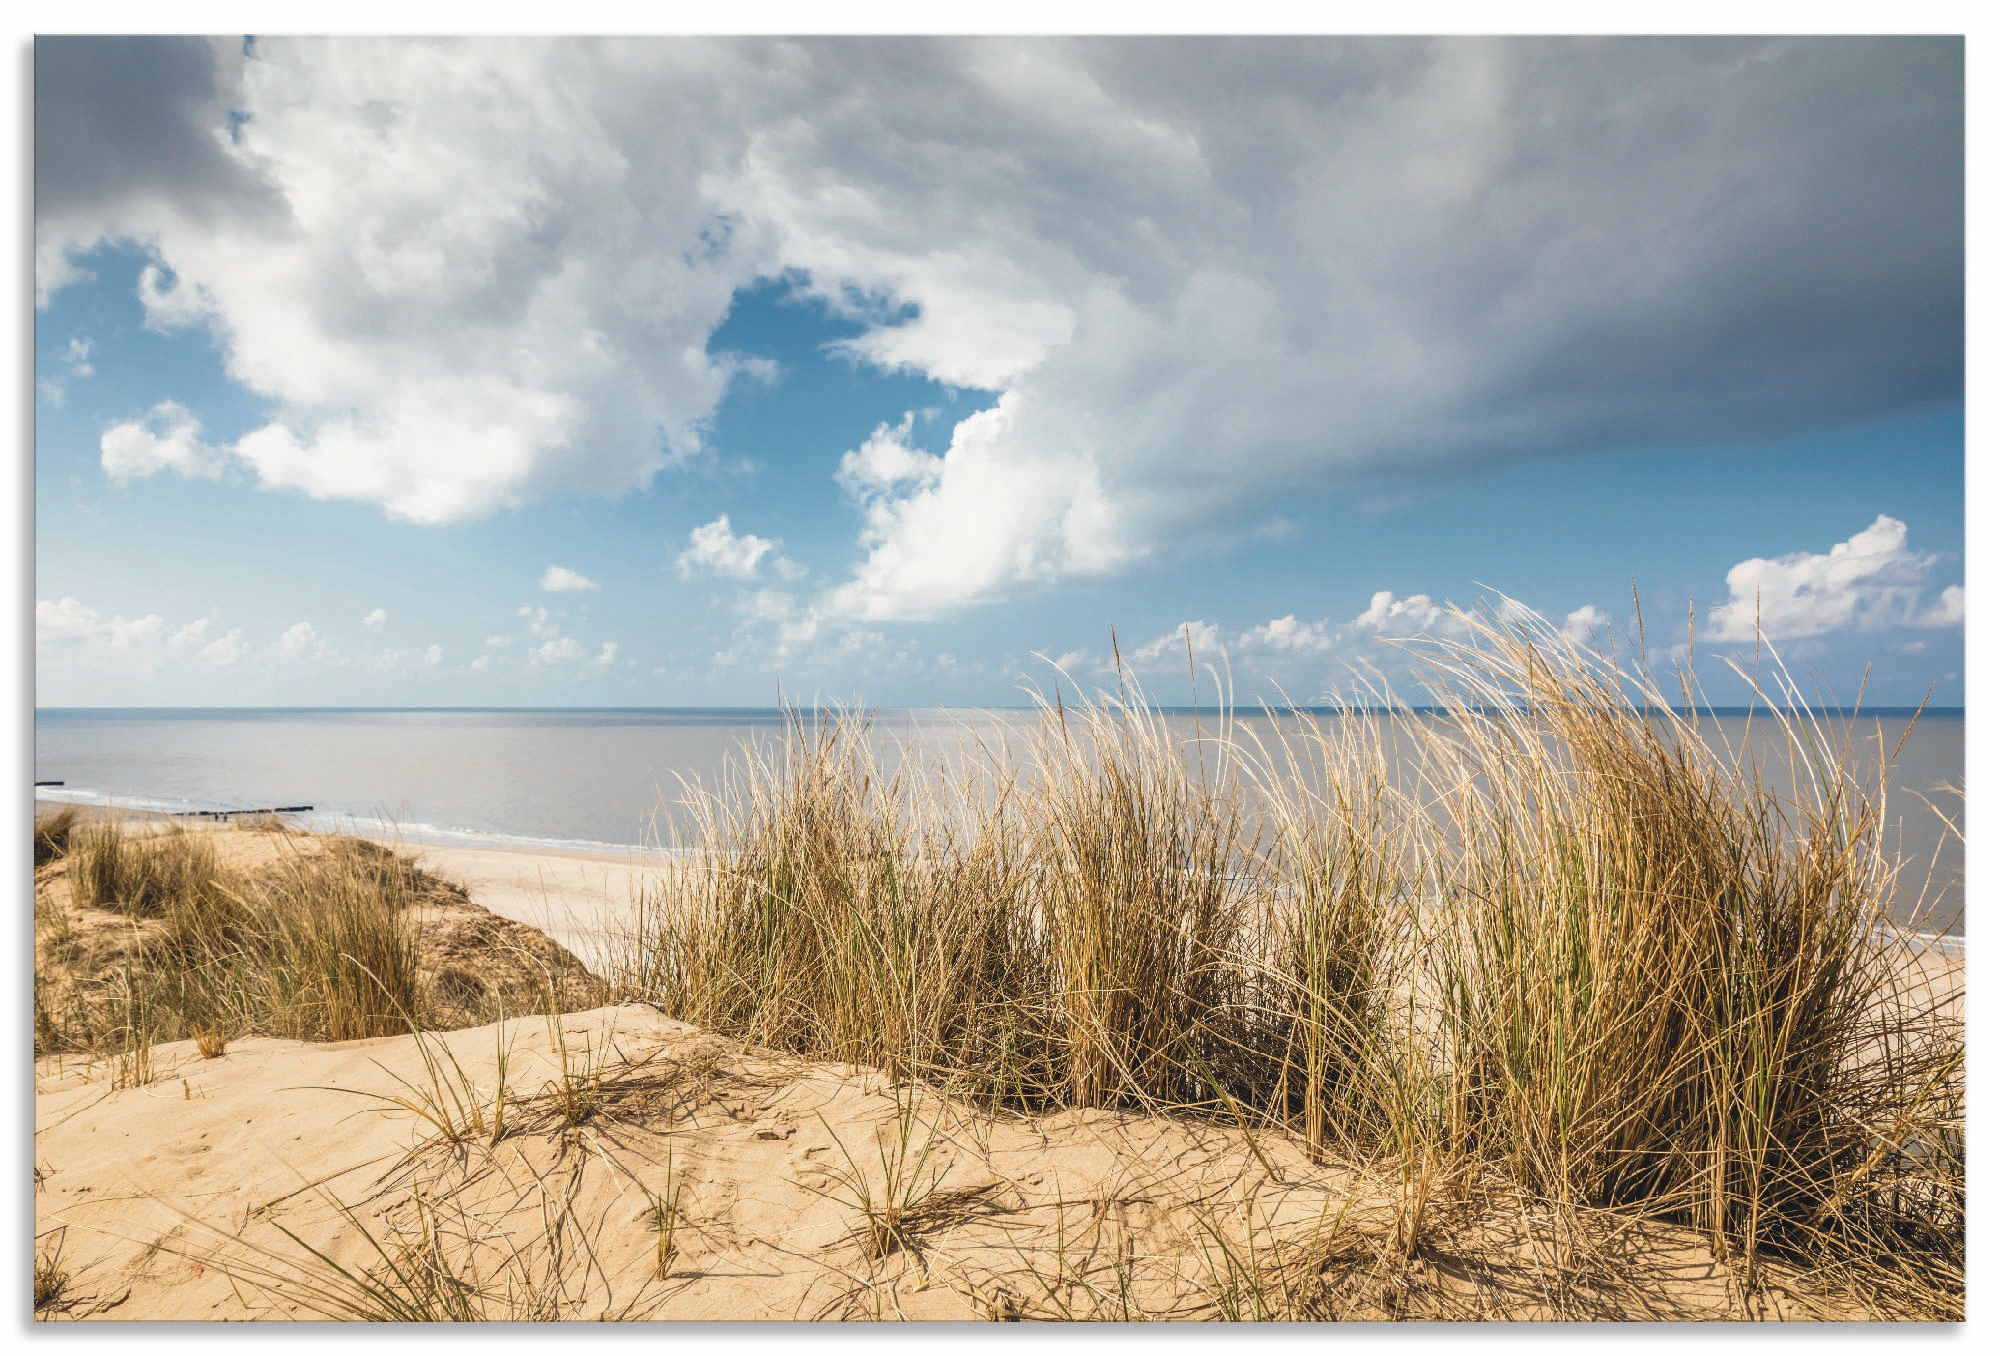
74	363
1947	610
714	549
560	579
167	439
301	641
607	655
225	650
463	275
1871	581
887	463
558	650
1197	277
376	620
1288	635
1288	647
1388	615
771	624
1199	638
1585	624
982	517
65	621
1205	276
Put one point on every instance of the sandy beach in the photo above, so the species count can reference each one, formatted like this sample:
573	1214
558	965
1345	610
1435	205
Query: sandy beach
586	901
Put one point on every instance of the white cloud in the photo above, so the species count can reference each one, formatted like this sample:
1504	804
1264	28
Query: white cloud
433	655
559	579
984	516
67	621
75	362
1388	615
1585	624
1203	639
376	620
301	641
478	665
887	463
1078	662
474	273
541	621
1871	581
560	650
63	619
225	650
1948	609
498	642
167	439
607	655
1288	635
713	549
772	625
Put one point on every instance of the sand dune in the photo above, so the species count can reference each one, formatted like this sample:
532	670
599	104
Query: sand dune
175	1199
644	1169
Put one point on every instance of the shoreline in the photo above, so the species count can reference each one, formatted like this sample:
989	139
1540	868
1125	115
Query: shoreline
354	825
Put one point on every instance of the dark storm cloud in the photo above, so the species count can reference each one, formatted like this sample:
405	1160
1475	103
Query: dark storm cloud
125	118
1822	280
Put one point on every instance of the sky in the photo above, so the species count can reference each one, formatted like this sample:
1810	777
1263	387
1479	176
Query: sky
681	372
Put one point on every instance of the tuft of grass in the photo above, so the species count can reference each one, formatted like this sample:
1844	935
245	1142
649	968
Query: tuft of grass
833	908
899	1197
440	1260
143	875
53	833
1660	966
52	1278
666	1218
211	1041
343	931
448	1098
323	945
574	1093
1138	900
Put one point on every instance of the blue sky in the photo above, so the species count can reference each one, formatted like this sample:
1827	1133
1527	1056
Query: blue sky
410	373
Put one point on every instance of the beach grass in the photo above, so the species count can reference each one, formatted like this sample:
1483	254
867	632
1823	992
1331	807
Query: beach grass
170	944
1552	931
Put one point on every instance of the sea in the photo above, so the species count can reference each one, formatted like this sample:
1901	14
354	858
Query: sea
614	780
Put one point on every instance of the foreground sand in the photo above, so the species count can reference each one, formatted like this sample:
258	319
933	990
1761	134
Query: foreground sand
174	1199
695	1177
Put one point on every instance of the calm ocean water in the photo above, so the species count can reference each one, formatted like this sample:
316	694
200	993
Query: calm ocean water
609	779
